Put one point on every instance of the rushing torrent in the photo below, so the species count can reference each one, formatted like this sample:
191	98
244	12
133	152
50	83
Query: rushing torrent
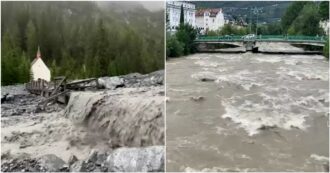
117	128
125	117
258	112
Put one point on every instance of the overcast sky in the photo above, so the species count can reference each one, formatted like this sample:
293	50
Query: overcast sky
153	5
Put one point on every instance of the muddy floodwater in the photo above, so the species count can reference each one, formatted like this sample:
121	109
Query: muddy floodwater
247	112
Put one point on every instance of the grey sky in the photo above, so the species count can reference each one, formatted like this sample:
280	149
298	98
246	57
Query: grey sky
153	5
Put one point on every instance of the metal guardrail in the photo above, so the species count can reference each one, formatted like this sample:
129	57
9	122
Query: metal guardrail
284	38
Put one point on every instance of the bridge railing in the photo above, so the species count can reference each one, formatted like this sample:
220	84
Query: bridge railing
270	37
220	38
262	38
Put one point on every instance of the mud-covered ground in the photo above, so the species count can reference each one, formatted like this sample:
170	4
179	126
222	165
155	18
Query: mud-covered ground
247	112
118	128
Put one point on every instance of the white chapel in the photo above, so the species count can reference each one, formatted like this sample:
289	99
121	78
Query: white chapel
39	70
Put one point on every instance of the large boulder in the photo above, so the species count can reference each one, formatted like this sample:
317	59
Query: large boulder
133	80
51	162
149	159
111	82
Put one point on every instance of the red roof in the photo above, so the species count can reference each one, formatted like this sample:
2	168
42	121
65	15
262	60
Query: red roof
213	11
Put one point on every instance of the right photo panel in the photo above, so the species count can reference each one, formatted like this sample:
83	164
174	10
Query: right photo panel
247	86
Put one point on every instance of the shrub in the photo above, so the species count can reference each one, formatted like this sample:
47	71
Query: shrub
174	47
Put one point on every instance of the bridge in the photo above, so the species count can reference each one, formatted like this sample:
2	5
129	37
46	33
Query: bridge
250	42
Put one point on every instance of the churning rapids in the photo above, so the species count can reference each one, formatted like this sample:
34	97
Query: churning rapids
247	112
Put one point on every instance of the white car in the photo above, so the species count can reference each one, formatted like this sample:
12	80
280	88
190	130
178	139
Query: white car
249	36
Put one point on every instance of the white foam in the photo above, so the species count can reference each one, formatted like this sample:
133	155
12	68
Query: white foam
269	60
287	60
320	158
281	99
277	107
199	57
205	63
232	58
218	169
222	131
244	79
253	117
304	73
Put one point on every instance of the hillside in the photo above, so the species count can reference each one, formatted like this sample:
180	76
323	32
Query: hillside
269	11
81	39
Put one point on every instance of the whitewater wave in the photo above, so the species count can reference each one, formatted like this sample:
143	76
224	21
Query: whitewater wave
279	100
204	63
219	169
244	79
256	112
303	73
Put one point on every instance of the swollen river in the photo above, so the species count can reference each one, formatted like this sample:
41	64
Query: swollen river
247	112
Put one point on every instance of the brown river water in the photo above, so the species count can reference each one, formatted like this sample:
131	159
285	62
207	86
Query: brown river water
254	112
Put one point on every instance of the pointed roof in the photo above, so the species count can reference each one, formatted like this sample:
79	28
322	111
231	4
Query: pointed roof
37	56
38	53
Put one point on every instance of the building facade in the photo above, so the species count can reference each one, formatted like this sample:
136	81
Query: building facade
39	70
209	20
173	11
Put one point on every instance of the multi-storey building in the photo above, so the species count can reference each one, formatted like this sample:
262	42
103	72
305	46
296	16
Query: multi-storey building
173	10
209	20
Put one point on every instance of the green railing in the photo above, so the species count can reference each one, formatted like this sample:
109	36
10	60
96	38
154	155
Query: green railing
263	38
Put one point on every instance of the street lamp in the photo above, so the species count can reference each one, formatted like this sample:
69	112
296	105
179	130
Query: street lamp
256	11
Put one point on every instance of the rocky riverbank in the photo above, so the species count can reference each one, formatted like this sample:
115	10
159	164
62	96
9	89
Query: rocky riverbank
117	128
148	159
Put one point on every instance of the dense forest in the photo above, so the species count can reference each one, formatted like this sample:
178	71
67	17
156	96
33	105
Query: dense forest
80	39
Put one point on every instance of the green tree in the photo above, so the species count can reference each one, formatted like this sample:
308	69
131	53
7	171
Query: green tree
31	40
324	10
10	56
275	28
229	29
292	13
186	34
24	69
53	69
174	47
307	23
212	33
102	48
181	16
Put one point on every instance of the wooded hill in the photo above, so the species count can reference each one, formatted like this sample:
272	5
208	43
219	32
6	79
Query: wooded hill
268	11
80	39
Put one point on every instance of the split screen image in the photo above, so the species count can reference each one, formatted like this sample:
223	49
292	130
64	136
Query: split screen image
165	86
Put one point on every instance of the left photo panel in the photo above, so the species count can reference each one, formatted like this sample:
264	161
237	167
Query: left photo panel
82	86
